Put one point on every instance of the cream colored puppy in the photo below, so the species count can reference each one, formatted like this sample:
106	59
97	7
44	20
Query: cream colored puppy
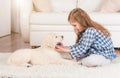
41	56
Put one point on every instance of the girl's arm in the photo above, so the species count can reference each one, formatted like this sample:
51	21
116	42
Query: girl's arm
62	49
80	48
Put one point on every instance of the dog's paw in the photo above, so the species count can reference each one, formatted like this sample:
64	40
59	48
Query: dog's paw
25	65
28	65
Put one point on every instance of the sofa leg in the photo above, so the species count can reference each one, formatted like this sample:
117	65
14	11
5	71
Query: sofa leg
33	47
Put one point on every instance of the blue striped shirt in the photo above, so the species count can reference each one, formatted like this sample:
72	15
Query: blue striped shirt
93	42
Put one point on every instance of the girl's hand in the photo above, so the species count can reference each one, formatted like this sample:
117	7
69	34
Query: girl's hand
62	49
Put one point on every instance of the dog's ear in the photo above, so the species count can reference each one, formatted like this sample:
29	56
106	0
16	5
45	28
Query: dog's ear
49	40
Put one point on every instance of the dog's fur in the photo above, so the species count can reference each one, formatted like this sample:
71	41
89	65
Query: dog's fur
41	56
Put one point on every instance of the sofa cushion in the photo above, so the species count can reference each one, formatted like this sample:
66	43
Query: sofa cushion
61	18
106	18
42	5
48	18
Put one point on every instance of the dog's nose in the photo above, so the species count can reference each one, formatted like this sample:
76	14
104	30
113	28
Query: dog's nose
62	36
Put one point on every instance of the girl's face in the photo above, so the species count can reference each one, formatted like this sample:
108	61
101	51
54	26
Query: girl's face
77	27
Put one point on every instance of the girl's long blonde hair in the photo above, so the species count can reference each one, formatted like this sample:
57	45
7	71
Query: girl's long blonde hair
80	16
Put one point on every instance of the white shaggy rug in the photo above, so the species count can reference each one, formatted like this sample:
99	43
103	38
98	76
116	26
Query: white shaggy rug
57	71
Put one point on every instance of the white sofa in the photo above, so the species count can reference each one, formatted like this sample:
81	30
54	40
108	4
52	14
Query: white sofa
34	24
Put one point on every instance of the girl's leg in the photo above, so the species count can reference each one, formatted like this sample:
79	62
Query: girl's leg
95	60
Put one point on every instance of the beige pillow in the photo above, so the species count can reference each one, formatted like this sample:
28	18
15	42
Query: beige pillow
63	5
42	5
111	6
89	6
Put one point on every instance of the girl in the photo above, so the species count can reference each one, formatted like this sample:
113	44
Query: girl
93	46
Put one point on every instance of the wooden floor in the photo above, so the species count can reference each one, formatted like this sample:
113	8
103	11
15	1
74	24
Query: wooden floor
12	42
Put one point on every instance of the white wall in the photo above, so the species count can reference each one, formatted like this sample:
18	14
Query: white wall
5	17
15	13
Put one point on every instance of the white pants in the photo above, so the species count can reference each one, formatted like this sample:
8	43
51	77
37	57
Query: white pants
94	60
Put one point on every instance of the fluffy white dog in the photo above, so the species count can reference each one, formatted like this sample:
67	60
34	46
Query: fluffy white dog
41	56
